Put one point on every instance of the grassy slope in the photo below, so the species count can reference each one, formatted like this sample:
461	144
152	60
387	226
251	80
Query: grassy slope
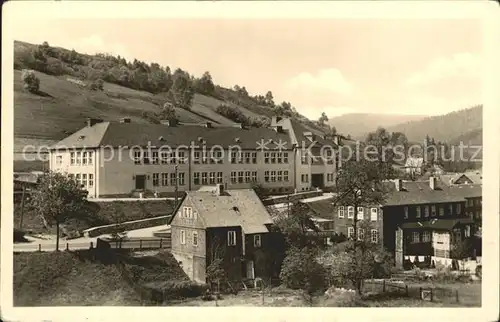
107	213
63	278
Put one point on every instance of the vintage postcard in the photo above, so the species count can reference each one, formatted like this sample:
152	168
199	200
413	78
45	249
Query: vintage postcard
250	157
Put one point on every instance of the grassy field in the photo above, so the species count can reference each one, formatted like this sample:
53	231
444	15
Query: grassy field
68	279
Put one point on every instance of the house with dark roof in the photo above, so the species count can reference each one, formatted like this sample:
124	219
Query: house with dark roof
229	225
462	178
120	159
428	219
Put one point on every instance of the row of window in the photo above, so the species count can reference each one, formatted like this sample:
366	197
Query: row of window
276	176
474	202
360	214
78	158
305	158
330	177
86	180
168	179
276	157
431	210
205	178
142	157
425	236
243	176
304	178
361	234
231	238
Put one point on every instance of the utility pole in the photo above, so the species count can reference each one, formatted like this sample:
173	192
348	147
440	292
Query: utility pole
176	185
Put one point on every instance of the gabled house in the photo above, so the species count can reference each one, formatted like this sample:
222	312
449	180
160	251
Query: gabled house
231	225
462	178
414	166
428	219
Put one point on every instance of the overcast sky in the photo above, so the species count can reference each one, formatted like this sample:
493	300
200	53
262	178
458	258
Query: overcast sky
336	66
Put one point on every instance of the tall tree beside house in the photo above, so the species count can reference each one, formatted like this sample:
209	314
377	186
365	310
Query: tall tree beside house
360	184
323	119
57	199
269	100
216	273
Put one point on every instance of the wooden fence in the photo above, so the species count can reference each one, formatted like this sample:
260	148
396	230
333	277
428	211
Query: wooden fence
133	244
423	293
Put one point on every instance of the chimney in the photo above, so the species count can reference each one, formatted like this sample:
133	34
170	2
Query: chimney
279	129
93	121
432	183
125	120
208	125
219	189
399	184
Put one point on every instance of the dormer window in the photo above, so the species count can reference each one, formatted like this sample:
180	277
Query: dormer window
81	137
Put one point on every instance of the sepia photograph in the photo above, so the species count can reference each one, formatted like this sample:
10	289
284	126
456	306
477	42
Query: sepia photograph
213	161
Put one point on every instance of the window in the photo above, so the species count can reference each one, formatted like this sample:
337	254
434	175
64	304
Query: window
257	241
279	157
241	176
350	212
195	238
204	178
341	212
181	157
247	176
212	177
91	156
374	214
91	180
419	211
280	176
426	211
78	158
240	157
467	231
204	159
247	157
254	176
164	179
406	212
450	210
78	179
266	176
433	210
196	178
285	157
361	234
304	157
350	232
84	179
58	159
173	179
273	157
458	234
154	157
156	179
360	213
305	178
426	236
266	157
72	158
219	177
197	157
231	238
374	236
145	157
164	157
459	209
182	180
254	157
285	176
415	237
441	211
84	158
137	157
183	237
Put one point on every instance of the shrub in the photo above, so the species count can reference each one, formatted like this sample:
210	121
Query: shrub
232	113
300	270
19	236
479	271
31	82
98	84
171	290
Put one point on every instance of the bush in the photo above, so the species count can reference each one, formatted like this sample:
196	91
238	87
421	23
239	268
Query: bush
300	270
19	236
98	84
31	82
232	113
171	290
479	271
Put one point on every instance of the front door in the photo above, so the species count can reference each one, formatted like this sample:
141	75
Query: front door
140	182
250	270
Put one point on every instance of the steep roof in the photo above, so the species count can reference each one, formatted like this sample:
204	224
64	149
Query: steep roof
322	208
239	207
419	192
133	134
